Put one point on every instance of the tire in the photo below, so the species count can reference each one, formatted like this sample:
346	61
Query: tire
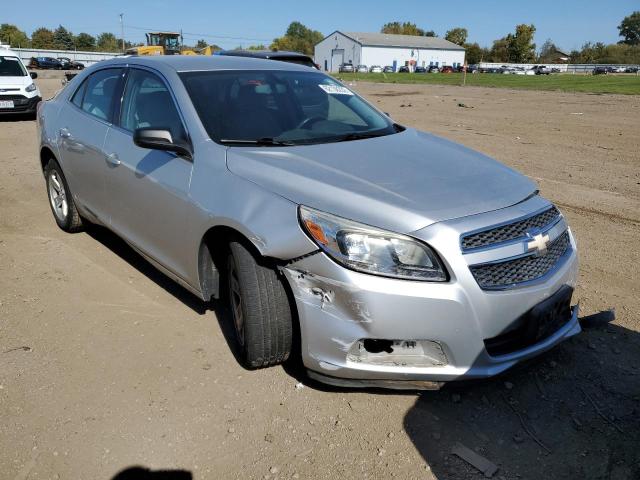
61	201
264	332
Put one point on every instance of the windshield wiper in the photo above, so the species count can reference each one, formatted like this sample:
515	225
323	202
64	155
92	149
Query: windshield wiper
359	136
265	141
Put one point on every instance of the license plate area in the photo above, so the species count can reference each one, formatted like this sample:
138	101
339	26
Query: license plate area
6	104
551	314
540	322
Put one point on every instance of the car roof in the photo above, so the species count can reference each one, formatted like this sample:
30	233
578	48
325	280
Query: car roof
5	52
194	63
263	54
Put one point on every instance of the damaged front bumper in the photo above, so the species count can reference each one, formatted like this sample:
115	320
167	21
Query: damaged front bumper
369	331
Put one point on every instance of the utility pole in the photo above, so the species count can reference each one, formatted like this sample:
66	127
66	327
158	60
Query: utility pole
122	30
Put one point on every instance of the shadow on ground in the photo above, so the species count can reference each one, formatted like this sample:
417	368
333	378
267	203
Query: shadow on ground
141	473
17	117
133	258
572	413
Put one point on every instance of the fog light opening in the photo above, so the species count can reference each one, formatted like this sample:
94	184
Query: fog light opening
378	346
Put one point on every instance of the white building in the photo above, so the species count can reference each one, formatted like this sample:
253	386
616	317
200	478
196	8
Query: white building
384	49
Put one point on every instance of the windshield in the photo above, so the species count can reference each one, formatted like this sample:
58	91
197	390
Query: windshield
281	108
11	67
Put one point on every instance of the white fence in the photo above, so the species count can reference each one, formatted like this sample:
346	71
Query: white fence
563	67
86	58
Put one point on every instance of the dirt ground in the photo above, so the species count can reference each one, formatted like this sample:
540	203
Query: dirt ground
105	364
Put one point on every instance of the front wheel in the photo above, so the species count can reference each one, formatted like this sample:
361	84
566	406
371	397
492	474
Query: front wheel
60	199
260	309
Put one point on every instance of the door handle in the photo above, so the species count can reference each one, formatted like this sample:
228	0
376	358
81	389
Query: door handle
112	159
65	133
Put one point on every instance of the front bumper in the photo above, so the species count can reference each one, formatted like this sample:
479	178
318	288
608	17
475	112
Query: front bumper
22	104
448	322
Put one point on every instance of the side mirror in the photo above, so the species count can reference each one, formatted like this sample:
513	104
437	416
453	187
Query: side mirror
156	139
33	75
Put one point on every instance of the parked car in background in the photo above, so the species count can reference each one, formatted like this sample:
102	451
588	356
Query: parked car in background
631	70
433	69
375	69
346	68
68	64
600	70
18	92
492	70
45	63
362	69
541	70
521	71
279	55
404	69
422	262
420	70
388	69
446	69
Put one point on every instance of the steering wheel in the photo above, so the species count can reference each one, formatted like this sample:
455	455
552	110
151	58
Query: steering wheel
308	122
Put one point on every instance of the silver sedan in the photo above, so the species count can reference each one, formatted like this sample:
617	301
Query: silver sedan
378	254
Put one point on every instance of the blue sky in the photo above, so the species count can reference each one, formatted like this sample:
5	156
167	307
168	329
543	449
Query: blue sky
570	23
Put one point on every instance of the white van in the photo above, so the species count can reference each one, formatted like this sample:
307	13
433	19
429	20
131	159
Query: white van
18	93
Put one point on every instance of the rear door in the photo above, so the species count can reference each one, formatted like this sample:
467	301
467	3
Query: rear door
83	126
149	189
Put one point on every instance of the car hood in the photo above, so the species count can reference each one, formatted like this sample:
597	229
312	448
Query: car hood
15	82
401	182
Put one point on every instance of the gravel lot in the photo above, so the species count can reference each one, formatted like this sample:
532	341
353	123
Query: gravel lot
105	364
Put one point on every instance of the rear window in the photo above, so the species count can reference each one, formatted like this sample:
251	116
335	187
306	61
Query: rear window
12	67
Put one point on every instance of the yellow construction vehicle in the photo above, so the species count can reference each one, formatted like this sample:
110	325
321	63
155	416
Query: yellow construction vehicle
166	43
158	43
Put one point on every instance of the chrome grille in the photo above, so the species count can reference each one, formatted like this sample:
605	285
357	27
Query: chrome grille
511	231
523	269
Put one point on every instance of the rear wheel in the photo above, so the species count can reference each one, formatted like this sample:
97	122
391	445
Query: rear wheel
60	199
260	309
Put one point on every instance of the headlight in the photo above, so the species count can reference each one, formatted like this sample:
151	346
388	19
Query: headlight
31	87
371	250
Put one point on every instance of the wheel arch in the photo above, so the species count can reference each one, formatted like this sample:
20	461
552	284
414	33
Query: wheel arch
212	257
46	154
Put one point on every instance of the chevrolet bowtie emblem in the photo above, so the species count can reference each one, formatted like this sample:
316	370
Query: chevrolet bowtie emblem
538	244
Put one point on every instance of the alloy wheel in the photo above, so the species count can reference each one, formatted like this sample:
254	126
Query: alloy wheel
58	196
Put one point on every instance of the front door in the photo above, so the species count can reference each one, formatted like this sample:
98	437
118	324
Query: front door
149	189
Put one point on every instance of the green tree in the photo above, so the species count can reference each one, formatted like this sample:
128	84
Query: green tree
500	50
521	46
107	42
600	53
257	47
63	39
475	53
548	52
405	28
629	28
457	35
42	38
11	35
200	44
298	38
85	42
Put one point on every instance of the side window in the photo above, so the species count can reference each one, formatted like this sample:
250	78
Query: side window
100	90
77	97
148	103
